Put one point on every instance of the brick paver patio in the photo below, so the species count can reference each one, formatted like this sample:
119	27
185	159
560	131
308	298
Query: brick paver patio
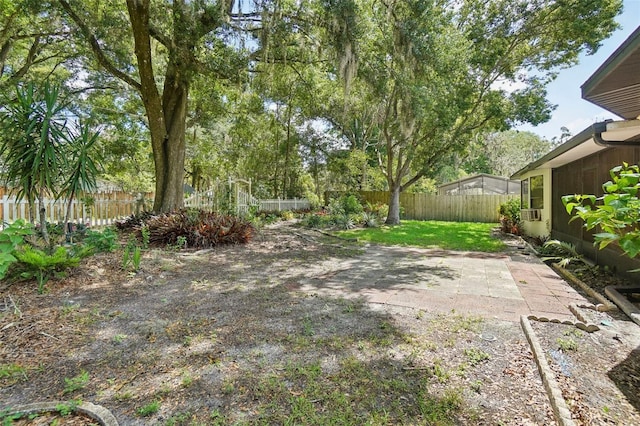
489	285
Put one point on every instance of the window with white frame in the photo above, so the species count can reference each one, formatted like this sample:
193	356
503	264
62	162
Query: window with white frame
532	196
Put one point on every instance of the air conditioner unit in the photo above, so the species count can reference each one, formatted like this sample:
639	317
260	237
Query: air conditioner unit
531	215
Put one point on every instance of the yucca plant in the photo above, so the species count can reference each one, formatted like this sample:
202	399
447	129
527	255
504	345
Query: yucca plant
562	253
344	221
369	220
81	176
32	126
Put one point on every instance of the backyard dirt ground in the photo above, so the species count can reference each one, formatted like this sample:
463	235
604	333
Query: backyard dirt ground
225	336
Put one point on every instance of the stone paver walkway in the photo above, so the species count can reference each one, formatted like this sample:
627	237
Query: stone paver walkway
490	285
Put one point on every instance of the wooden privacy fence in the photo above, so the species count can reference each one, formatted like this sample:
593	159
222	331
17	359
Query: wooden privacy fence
104	210
451	208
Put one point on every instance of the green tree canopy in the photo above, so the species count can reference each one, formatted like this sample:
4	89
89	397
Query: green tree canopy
436	72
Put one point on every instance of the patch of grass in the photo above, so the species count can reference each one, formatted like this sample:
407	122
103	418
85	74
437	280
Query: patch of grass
76	383
124	396
463	236
187	379
476	386
86	317
566	345
12	373
119	338
66	408
149	409
440	372
465	323
178	419
476	356
440	410
355	392
307	325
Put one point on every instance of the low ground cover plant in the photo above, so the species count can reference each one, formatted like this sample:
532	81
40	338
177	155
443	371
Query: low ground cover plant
26	256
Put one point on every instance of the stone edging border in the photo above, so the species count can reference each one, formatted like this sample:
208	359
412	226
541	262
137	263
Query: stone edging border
96	412
559	405
581	323
604	306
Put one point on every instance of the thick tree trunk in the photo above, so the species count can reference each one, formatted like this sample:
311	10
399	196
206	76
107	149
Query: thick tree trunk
393	218
170	172
167	115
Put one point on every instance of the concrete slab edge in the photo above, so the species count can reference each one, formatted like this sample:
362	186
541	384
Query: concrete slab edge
605	304
559	405
613	292
96	412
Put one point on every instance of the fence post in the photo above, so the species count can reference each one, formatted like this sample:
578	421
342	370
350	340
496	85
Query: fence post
5	210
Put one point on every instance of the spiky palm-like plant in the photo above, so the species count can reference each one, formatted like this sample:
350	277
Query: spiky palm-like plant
562	252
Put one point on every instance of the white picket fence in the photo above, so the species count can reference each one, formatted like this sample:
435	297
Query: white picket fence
104	211
208	200
282	205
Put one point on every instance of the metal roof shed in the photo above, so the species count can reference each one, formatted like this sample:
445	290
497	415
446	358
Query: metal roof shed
481	184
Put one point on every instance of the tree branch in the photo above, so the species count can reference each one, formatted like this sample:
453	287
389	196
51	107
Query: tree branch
97	50
159	36
33	51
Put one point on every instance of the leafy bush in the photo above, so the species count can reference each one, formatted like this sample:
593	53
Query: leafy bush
380	210
316	220
287	215
35	263
102	242
345	205
198	228
618	217
12	238
510	216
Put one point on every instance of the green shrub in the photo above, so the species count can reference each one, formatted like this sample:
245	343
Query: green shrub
616	214
347	204
380	210
315	221
287	215
510	216
35	263
103	242
12	238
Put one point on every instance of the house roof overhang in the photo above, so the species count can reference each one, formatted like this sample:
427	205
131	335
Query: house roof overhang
591	140
615	86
